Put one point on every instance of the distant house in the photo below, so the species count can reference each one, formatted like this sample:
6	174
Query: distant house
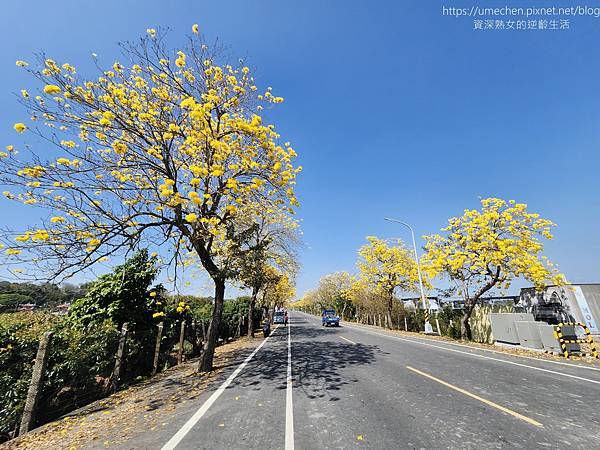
62	309
416	303
26	307
500	300
454	303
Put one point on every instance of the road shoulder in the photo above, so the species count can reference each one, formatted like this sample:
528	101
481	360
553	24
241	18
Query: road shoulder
119	419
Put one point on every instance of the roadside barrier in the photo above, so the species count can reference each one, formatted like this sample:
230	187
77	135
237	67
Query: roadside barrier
566	341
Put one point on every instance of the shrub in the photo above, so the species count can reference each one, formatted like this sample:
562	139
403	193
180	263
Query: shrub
81	356
13	299
450	322
120	296
19	338
79	363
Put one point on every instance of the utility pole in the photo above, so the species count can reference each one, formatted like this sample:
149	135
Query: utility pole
428	327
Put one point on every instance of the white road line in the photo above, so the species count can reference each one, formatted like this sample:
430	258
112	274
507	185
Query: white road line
421	342
419	339
352	342
289	405
480	356
185	429
456	344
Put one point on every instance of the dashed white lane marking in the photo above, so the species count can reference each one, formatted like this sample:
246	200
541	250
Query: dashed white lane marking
289	404
346	339
185	429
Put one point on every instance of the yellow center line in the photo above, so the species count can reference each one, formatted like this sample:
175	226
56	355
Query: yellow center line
352	342
476	397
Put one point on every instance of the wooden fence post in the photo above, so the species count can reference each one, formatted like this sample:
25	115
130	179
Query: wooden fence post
157	348
239	327
181	339
36	382
119	359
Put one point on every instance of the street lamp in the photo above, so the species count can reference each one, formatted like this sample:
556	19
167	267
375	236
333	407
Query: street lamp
428	327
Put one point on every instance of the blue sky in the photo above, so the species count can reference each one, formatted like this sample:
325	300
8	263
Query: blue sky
394	109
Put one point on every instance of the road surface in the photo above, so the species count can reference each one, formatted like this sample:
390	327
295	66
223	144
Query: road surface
309	387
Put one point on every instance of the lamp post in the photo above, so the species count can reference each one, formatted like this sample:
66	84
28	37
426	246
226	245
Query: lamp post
428	327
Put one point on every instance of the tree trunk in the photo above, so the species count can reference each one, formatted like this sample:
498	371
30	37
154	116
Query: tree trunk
470	302
389	311
208	350
465	327
192	331
251	312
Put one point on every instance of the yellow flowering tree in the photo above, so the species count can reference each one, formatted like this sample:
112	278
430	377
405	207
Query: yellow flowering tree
368	302
163	149
267	249
385	268
488	248
333	291
279	290
307	303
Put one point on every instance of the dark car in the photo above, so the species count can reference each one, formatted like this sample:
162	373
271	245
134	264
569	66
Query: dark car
329	318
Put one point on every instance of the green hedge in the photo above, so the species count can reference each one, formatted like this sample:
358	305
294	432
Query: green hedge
81	360
78	365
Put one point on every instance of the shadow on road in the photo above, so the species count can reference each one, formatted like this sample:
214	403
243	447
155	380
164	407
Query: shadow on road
318	359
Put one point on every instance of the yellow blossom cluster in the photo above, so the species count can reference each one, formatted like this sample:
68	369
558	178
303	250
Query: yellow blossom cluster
498	243
182	307
385	266
51	89
20	127
34	236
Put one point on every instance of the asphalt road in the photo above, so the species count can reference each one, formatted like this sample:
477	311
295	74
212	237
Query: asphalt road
309	387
